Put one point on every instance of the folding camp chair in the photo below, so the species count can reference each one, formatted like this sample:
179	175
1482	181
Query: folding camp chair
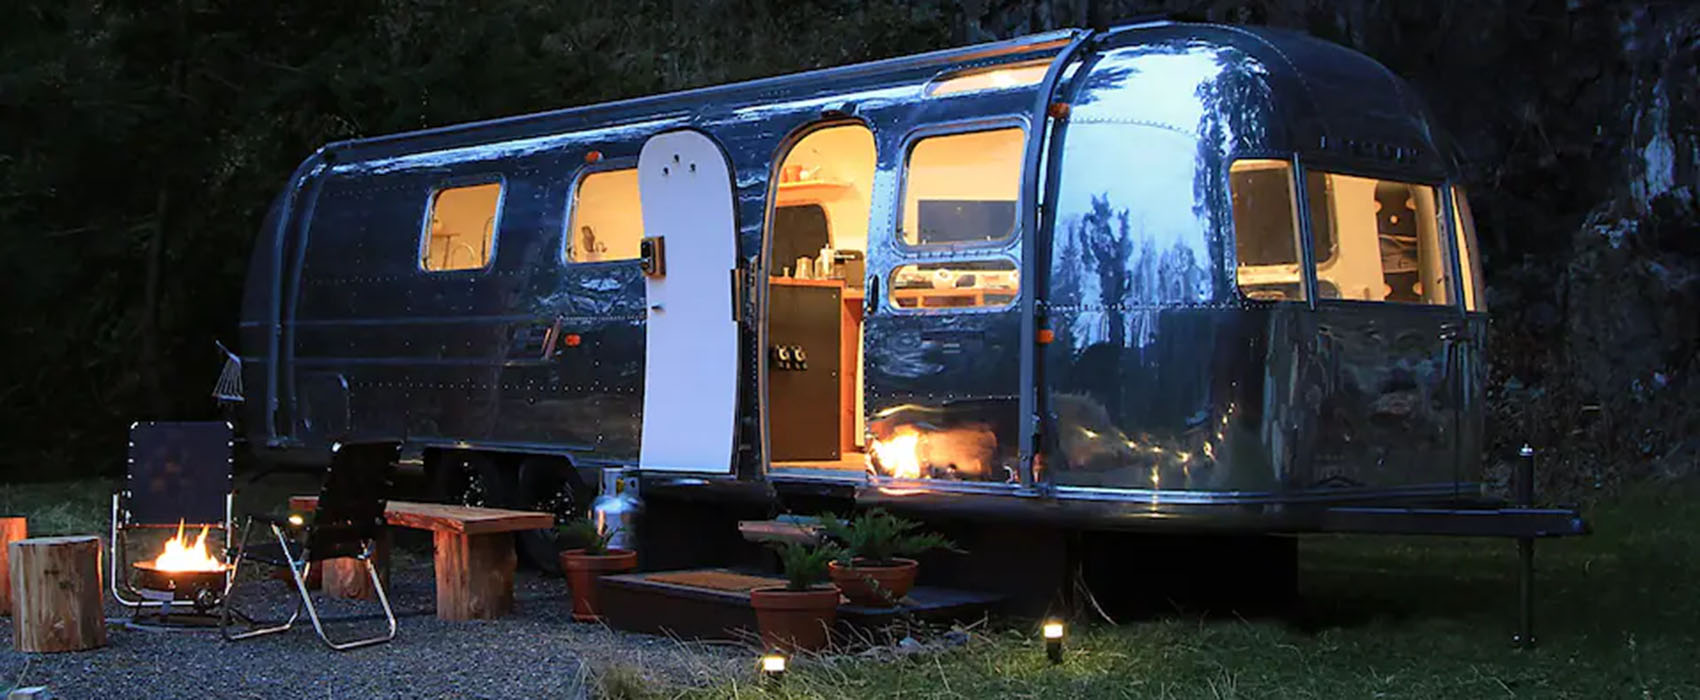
346	523
179	475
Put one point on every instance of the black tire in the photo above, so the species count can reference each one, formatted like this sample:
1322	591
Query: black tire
469	479
548	484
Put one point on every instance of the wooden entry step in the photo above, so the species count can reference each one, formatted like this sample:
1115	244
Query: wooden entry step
714	603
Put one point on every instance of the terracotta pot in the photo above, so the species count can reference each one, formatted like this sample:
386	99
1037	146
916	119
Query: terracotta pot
583	570
794	620
874	586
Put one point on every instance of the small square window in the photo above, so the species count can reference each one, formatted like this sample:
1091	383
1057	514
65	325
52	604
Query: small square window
462	230
963	188
607	220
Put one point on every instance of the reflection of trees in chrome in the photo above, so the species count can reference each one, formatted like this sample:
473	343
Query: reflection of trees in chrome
1106	262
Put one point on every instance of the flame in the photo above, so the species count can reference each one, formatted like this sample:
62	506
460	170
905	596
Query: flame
900	456
182	555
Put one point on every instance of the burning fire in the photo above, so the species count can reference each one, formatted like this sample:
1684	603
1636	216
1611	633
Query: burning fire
182	555
900	456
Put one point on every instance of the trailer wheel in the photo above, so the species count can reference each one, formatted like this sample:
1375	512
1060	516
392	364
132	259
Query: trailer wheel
548	484
469	479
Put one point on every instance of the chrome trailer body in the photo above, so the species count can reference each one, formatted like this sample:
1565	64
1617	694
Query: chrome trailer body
1131	384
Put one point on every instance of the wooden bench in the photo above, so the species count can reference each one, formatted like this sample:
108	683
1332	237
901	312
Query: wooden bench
475	557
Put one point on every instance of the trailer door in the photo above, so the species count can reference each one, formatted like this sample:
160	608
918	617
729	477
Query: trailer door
690	394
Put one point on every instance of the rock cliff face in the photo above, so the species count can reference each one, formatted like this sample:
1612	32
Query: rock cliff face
1576	125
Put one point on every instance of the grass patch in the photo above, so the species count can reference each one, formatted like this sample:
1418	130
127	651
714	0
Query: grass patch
81	507
1617	616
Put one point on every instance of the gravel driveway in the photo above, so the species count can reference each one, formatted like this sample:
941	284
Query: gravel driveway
534	652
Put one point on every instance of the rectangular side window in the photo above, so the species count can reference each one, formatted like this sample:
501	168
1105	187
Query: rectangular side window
607	220
1266	230
462	229
1475	297
1389	240
963	284
962	188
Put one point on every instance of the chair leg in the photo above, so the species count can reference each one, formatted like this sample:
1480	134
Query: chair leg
383	599
120	567
229	605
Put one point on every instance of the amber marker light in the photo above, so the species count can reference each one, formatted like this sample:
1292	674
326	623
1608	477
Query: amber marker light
592	156
1053	633
772	667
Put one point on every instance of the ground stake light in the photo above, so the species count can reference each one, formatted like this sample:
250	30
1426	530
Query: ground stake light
772	667
1053	632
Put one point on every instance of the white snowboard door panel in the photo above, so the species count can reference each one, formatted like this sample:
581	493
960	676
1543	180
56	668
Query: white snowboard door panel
690	388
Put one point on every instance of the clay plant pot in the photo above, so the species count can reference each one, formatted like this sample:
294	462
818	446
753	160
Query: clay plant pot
874	586
583	570
794	620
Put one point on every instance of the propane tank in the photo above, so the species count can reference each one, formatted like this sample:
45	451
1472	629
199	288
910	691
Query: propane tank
616	507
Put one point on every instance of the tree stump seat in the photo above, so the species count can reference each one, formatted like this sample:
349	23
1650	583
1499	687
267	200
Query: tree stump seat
56	594
474	560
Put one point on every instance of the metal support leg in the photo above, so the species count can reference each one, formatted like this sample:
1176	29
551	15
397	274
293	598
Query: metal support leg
229	607
1525	637
313	613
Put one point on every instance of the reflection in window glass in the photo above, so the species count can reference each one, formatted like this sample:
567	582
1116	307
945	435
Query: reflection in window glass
962	188
607	221
962	284
1475	298
1266	230
999	78
1389	239
462	227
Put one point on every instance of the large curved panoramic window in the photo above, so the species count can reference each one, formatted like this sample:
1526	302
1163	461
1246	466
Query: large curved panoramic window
962	188
462	229
1390	238
1266	230
607	220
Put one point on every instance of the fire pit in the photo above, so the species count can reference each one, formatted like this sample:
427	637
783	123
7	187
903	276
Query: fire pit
184	572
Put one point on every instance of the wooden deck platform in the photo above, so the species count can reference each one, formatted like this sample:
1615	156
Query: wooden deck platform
637	603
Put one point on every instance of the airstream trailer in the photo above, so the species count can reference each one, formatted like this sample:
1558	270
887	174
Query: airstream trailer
1162	276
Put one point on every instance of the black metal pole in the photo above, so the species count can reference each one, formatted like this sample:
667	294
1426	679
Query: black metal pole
1525	636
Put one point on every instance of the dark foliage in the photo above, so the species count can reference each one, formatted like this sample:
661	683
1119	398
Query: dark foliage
140	143
804	564
877	538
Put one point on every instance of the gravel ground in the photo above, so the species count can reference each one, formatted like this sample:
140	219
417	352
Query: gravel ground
534	652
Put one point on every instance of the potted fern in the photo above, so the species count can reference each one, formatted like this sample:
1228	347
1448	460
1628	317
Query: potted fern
798	614
872	568
587	560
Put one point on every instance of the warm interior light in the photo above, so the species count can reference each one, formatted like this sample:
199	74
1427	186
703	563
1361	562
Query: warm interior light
296	519
773	663
1053	630
182	555
900	456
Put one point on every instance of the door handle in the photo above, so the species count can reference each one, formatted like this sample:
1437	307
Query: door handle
871	296
737	294
652	254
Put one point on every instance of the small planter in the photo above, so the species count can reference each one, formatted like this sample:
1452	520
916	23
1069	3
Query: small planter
583	570
794	619
874	586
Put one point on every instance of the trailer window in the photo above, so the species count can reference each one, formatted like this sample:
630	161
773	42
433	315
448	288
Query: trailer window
963	284
961	188
1470	261
1389	238
462	228
1266	230
607	220
995	78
